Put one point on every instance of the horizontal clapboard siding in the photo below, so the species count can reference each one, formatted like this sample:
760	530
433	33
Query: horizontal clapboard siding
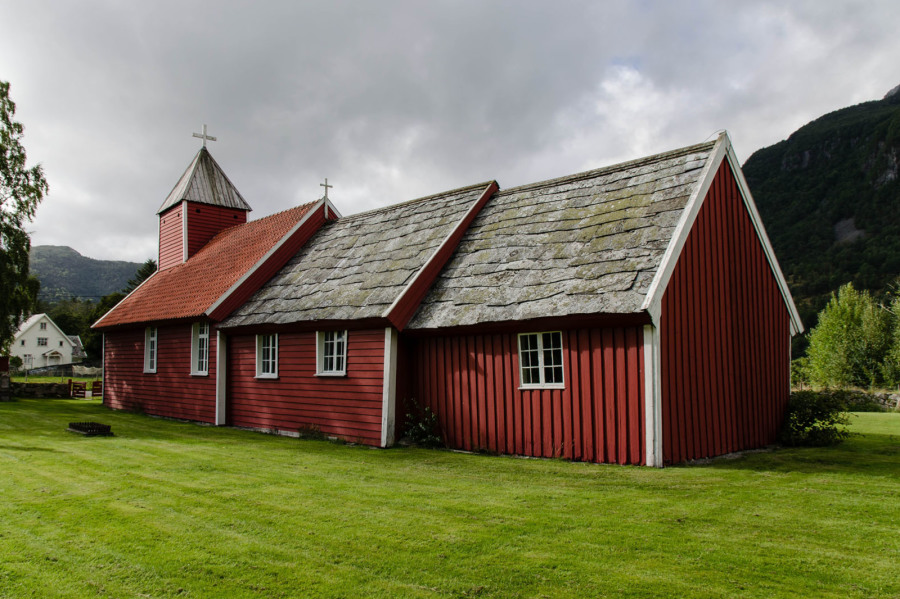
171	238
171	391
724	336
471	383
348	407
205	221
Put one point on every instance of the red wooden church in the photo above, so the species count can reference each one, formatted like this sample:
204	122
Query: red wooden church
634	314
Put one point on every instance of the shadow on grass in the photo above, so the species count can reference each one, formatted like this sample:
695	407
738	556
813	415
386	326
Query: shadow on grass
20	448
870	453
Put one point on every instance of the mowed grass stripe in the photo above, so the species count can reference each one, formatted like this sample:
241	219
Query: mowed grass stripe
170	509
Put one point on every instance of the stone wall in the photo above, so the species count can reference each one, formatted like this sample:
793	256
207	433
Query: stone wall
40	390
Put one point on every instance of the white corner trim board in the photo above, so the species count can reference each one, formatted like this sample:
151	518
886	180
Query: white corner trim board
389	387
652	398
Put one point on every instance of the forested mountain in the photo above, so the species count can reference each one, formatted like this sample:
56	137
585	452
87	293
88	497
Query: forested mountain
65	274
830	199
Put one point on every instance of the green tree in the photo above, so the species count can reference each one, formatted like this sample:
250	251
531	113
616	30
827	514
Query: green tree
142	274
850	341
21	190
93	339
891	367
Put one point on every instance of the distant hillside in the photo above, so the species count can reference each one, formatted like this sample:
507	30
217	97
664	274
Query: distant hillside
64	273
830	199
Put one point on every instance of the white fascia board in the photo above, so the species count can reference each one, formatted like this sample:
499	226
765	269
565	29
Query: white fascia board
331	208
265	258
723	151
653	300
796	323
133	291
60	331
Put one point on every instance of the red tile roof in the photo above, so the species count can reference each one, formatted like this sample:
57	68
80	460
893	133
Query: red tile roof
190	289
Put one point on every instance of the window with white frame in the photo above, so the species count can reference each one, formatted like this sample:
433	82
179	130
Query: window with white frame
200	348
541	360
42	341
43	326
267	356
150	349
331	353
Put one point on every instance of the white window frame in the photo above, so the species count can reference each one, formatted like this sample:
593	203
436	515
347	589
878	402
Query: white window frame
267	366
43	341
43	326
542	366
151	349
331	345
200	349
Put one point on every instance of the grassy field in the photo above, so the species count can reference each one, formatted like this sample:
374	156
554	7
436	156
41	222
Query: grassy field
168	509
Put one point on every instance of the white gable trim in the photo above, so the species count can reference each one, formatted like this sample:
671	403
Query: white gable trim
39	318
653	300
329	208
796	323
721	152
133	291
266	256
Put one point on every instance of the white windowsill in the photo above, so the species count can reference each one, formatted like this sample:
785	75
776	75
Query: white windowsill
266	376
546	386
332	373
200	373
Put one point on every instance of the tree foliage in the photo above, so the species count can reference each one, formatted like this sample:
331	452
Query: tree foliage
891	368
21	190
143	273
815	418
849	345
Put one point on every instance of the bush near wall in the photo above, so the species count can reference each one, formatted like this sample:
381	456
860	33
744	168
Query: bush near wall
816	418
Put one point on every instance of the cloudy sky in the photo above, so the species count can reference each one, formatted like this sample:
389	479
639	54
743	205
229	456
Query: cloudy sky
392	100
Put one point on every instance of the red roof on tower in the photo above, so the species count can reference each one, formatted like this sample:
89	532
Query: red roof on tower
197	287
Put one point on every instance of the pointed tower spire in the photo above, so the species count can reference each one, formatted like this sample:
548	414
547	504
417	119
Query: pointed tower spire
202	203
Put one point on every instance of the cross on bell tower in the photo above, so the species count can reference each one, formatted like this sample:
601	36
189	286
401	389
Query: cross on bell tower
204	137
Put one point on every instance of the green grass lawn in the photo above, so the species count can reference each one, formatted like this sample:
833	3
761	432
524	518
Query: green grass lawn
168	509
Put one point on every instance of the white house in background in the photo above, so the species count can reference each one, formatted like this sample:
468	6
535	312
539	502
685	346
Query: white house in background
39	342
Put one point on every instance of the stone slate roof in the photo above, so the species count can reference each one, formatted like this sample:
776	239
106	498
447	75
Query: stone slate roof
356	267
584	244
190	289
205	182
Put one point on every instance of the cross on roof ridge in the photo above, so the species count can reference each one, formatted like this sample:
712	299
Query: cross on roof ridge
205	137
326	186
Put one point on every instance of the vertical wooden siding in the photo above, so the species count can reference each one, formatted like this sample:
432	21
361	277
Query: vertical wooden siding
347	407
724	335
171	391
471	383
205	220
171	238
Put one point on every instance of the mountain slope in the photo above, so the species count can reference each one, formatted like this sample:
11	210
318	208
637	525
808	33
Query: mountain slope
830	199
64	273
